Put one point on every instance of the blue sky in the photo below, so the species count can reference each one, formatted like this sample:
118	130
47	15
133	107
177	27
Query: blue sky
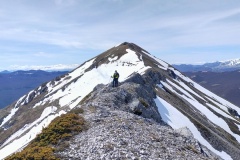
50	32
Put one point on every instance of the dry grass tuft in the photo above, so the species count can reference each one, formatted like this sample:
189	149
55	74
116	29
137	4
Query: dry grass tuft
58	132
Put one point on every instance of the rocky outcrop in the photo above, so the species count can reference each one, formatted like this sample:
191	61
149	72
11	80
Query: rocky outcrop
233	112
132	96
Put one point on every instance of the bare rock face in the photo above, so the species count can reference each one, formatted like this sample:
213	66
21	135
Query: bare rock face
124	123
135	98
185	132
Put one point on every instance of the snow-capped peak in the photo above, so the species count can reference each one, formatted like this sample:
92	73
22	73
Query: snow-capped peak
231	63
175	96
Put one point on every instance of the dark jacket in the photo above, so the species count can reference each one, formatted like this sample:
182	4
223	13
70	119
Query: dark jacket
116	75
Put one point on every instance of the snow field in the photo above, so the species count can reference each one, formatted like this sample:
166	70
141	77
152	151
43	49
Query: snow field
220	111
188	89
179	88
113	59
218	104
78	90
205	111
79	71
177	120
221	101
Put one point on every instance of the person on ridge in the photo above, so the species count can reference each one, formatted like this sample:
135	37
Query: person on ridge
115	78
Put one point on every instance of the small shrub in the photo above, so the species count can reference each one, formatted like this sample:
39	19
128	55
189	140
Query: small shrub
60	129
144	103
190	147
32	153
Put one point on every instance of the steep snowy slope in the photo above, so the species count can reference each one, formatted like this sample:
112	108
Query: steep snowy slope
63	94
213	121
224	84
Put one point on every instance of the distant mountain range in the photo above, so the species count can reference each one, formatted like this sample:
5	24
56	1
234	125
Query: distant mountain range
51	68
15	84
229	65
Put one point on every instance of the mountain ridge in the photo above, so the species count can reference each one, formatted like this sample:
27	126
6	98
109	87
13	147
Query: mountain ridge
175	96
48	68
222	66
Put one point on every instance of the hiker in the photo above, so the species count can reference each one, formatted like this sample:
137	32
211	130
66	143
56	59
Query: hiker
115	78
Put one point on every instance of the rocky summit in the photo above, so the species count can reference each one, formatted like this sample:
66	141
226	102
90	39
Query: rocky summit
156	112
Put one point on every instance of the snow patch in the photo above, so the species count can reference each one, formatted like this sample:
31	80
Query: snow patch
224	103
46	112
188	89
161	87
171	116
179	88
19	101
218	104
71	76
12	113
27	99
220	111
113	59
205	111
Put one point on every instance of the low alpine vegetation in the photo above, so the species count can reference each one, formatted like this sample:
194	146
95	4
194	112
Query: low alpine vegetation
60	129
144	103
